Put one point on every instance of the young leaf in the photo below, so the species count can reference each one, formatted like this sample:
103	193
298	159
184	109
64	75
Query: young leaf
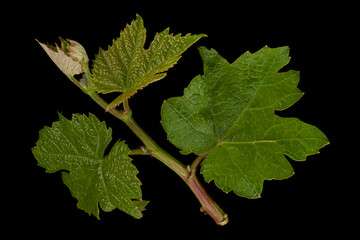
71	59
127	67
65	63
76	147
229	113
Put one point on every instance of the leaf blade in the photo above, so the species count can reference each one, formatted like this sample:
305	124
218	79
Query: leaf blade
229	113
65	63
127	67
76	148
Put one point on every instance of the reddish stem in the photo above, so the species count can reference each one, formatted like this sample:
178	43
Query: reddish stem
209	206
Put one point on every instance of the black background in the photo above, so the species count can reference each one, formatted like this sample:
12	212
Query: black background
315	201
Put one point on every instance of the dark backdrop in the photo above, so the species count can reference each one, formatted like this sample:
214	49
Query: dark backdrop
310	202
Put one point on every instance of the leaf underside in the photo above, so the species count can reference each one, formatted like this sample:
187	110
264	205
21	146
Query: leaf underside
76	148
127	67
228	112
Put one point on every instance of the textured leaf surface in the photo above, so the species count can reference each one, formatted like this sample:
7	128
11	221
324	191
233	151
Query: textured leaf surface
127	67
65	63
77	148
229	113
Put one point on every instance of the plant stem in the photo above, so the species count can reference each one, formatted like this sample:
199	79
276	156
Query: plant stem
102	103
139	151
188	174
197	161
208	205
154	149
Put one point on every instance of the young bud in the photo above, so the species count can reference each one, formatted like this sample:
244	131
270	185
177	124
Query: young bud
75	50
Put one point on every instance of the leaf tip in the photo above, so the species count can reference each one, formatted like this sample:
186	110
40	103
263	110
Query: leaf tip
139	18
60	115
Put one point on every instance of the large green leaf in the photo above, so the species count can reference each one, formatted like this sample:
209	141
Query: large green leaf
76	147
127	67
229	113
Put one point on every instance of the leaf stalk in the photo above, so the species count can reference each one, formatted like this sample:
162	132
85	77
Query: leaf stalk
139	151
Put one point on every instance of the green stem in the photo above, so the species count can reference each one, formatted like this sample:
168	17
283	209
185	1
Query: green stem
139	151
196	162
102	103
188	174
154	149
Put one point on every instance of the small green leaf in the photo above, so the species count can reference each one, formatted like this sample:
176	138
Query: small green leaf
229	113
76	147
127	67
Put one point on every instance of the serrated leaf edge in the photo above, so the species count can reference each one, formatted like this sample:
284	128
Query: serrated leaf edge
141	204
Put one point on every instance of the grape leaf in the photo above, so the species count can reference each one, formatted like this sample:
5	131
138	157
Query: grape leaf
71	58
65	63
127	67
76	147
228	113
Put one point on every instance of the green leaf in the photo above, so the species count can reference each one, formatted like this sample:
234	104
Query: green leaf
76	147
229	113
127	67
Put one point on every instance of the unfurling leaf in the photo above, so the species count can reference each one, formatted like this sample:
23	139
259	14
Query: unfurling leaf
76	147
228	113
75	50
71	59
127	67
65	63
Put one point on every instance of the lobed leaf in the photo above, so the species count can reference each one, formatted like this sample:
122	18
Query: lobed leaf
229	113
127	67
76	148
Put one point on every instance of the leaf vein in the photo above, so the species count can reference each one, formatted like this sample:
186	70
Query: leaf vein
252	99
